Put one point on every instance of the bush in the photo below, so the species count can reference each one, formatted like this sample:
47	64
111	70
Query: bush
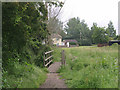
115	45
85	43
72	43
40	57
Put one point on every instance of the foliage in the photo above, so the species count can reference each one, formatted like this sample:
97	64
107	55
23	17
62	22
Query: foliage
23	33
91	67
99	35
116	37
110	30
119	37
72	43
92	30
25	76
23	29
54	25
40	57
57	54
79	31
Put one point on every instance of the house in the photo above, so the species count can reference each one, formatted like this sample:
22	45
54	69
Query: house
57	39
70	43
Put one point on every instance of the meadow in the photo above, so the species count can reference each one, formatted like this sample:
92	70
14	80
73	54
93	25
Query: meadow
90	66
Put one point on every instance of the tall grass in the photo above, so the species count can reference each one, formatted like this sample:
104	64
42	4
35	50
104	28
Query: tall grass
91	67
57	54
24	76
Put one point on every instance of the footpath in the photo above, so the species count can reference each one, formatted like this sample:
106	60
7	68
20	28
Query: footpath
53	79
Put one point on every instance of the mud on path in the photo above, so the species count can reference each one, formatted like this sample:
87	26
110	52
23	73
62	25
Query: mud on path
53	79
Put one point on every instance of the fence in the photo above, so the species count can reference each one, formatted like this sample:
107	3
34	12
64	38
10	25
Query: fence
48	57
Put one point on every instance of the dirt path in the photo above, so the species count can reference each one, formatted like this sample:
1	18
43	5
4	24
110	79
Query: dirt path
53	80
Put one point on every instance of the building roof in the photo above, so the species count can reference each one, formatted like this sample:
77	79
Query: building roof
56	36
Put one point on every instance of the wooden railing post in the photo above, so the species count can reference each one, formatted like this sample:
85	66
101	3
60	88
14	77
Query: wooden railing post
44	60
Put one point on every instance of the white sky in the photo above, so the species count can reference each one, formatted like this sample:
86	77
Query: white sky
99	11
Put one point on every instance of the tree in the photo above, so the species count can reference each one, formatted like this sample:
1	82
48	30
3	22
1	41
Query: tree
85	34
99	35
78	30
53	23
110	30
55	27
20	29
92	30
72	28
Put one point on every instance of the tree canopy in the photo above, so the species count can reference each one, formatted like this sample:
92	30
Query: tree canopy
111	31
99	35
77	29
22	31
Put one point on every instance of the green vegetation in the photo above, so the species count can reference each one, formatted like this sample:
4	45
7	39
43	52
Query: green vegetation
111	31
57	54
20	37
25	76
23	34
72	43
77	29
91	67
99	35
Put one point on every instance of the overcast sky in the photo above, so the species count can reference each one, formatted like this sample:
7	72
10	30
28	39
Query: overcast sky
99	11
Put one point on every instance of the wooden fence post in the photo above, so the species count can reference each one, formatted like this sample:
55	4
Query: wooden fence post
63	57
44	60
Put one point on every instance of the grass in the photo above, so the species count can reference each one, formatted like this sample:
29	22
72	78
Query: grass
57	54
25	77
91	67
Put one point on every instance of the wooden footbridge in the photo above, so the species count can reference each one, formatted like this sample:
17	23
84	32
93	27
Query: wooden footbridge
48	58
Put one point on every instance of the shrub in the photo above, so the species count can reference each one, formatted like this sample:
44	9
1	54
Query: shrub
72	43
115	45
40	57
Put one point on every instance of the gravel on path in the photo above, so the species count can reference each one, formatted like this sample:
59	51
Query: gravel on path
53	79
